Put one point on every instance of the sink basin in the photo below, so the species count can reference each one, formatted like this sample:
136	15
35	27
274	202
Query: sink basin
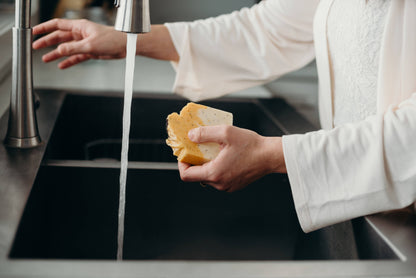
59	204
72	210
72	214
90	127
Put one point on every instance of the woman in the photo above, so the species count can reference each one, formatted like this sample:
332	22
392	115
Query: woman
363	161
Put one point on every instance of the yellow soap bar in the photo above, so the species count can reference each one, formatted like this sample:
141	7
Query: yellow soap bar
191	116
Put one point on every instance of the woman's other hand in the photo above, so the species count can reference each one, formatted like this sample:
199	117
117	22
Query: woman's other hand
79	40
245	156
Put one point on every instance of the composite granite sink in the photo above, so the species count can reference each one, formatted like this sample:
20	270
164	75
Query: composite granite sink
72	210
72	214
69	203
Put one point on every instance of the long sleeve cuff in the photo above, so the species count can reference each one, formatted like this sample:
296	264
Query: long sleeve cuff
186	83
299	197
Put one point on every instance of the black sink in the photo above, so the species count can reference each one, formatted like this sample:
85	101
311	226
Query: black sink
72	213
73	206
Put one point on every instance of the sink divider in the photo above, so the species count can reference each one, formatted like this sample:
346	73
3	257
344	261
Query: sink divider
110	164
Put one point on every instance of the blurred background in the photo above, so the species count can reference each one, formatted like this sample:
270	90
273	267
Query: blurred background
160	10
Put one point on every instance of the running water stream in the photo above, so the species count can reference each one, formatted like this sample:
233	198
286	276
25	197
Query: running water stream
128	95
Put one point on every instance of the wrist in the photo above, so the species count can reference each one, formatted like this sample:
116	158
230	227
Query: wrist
273	155
157	44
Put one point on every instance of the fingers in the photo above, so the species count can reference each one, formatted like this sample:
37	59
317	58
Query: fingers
53	38
240	161
205	173
73	60
53	25
70	61
74	47
66	50
51	56
218	134
191	173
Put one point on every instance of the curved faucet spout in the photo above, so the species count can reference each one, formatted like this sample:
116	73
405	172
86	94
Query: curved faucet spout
132	16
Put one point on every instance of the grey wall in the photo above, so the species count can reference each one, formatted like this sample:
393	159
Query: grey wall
162	11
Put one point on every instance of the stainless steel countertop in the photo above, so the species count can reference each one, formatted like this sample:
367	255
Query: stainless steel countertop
18	170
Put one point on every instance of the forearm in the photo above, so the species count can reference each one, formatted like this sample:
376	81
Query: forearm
157	44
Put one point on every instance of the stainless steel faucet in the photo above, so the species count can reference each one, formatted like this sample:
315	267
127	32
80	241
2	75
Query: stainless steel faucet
22	131
132	16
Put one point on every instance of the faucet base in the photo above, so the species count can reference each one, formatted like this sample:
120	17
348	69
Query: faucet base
22	131
22	143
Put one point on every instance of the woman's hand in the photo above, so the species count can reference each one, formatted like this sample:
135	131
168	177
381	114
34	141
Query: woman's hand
245	156
79	40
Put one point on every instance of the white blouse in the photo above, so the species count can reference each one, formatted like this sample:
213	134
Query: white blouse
358	168
355	30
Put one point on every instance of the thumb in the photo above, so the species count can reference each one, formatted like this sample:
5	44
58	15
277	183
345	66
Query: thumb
205	134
